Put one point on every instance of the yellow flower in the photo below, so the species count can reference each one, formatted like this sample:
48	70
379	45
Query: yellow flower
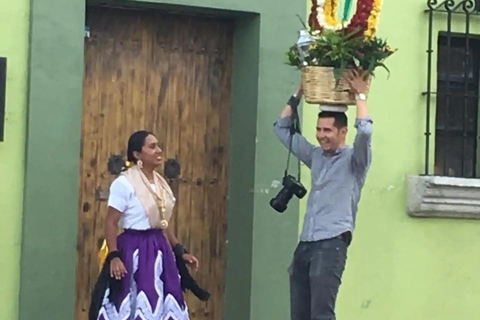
334	12
328	12
373	19
331	12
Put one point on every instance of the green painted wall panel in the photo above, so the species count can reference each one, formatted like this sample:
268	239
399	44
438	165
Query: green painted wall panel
260	242
14	46
274	241
240	205
400	267
47	286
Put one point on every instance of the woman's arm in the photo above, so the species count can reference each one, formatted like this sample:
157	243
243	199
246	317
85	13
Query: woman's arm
117	268
172	239
111	228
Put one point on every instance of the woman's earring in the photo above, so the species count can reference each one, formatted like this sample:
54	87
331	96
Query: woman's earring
140	164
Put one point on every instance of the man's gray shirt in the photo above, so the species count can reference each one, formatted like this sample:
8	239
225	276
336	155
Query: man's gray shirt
337	180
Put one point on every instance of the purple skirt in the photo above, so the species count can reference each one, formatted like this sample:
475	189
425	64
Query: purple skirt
151	290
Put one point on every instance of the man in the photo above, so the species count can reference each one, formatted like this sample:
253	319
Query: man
338	174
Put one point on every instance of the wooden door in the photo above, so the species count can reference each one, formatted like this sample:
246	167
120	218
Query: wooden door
168	74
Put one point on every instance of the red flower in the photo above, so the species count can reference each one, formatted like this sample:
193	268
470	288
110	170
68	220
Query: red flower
312	19
359	21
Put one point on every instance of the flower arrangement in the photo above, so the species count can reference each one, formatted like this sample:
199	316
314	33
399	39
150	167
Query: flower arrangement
339	43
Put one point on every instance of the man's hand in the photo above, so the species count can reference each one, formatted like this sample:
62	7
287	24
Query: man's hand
359	81
287	111
299	92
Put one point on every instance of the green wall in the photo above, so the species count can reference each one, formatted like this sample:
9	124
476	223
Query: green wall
260	242
14	46
400	267
47	283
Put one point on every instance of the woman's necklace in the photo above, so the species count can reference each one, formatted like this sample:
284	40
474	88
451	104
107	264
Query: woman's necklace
162	208
161	202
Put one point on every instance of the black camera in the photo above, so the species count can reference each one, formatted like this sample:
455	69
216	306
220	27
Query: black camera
290	187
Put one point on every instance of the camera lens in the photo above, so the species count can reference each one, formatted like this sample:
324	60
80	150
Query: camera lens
278	206
280	202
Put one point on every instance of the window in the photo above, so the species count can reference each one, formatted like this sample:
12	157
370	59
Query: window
456	123
456	97
449	193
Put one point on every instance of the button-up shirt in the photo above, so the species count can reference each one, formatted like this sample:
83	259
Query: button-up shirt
337	180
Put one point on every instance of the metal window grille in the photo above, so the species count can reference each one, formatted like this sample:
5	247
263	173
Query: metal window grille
457	93
3	88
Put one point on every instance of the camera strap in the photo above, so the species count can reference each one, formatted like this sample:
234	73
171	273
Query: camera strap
294	128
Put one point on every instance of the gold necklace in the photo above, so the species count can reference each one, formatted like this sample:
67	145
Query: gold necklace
162	208
161	202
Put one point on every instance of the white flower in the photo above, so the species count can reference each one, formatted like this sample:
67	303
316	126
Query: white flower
321	17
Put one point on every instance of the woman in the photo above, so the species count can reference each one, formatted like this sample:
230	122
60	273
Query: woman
141	259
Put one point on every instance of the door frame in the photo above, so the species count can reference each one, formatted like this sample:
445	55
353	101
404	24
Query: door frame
50	217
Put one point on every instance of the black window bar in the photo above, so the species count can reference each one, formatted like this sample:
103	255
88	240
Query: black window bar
3	88
457	80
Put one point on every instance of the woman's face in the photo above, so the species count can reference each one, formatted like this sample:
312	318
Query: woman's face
151	154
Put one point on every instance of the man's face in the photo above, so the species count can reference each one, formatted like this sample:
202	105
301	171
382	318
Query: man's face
329	136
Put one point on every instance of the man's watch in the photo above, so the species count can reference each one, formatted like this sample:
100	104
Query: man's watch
361	96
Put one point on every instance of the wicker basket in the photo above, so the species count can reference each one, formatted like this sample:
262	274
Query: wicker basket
319	87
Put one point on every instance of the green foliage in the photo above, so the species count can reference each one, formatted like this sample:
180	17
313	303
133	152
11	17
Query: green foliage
341	50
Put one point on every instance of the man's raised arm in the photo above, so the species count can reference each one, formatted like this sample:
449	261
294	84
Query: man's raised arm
301	148
362	150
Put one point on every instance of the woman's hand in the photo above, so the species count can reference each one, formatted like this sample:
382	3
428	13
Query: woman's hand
191	261
117	269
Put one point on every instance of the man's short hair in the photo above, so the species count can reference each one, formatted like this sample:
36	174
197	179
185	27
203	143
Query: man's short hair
341	120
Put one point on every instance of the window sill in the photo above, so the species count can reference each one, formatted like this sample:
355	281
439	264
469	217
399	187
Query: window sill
443	197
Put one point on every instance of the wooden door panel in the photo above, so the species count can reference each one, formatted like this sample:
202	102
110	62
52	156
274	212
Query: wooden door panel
170	75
